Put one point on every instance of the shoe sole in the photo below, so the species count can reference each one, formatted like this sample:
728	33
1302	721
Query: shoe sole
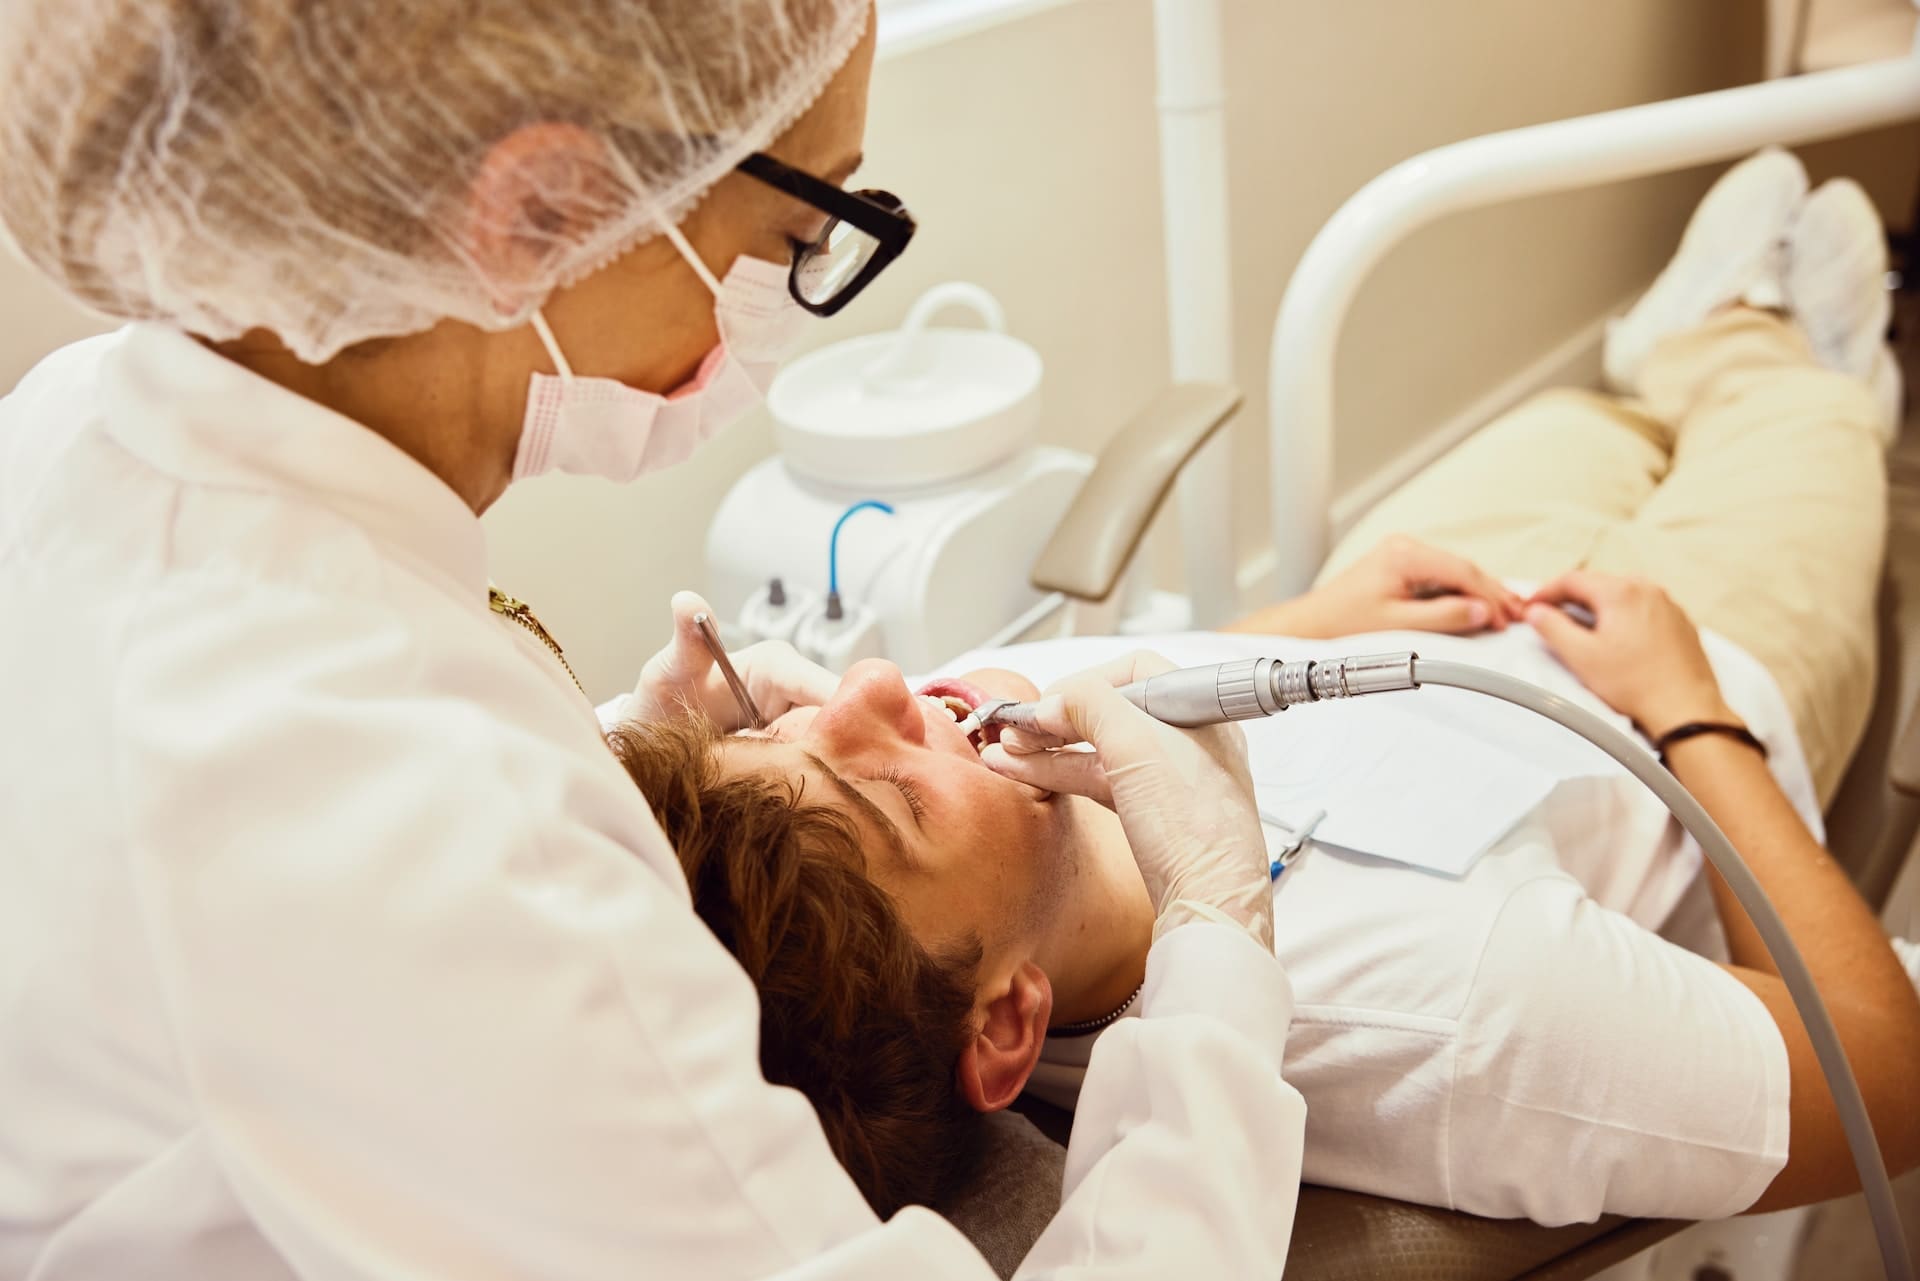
1841	218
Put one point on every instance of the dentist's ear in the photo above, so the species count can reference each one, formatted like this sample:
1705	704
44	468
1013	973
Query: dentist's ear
995	1067
535	188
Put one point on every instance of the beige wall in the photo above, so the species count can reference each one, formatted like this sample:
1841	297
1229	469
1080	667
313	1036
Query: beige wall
34	318
1028	152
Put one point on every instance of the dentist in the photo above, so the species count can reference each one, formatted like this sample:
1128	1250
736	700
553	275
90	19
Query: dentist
333	942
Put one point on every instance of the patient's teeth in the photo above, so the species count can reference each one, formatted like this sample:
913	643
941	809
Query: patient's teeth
955	708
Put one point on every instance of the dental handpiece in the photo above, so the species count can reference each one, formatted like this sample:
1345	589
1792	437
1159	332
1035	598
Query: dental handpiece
1212	694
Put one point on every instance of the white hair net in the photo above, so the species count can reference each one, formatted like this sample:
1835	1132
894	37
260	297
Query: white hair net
307	166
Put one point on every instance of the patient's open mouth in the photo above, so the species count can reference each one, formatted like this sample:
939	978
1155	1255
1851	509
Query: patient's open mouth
960	698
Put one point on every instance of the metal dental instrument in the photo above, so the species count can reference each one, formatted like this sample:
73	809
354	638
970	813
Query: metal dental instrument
711	635
1297	838
982	715
1247	688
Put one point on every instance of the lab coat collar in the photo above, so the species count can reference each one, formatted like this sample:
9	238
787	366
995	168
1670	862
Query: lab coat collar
204	419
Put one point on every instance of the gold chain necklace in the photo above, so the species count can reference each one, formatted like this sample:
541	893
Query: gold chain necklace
507	607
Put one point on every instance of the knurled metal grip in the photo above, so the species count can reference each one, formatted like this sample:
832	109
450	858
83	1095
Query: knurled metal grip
1291	684
1239	690
1329	679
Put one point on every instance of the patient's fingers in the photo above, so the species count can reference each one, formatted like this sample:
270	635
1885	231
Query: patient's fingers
1581	586
1460	615
1429	572
1474	581
1563	635
1069	770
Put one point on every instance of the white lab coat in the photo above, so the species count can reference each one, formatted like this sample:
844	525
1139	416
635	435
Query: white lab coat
334	944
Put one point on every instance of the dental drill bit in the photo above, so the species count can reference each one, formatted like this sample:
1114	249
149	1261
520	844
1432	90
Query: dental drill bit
1000	711
976	720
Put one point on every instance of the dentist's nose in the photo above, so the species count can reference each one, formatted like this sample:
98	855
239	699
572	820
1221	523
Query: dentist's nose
872	707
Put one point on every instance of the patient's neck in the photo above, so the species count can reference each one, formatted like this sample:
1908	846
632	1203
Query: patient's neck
1095	955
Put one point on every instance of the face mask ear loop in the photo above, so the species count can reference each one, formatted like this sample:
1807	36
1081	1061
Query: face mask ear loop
541	328
693	259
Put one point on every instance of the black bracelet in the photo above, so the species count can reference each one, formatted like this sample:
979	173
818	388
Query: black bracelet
1694	729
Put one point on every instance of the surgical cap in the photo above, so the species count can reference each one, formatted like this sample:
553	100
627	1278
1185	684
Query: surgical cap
307	166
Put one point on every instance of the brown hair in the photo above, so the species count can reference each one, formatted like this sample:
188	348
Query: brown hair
854	1012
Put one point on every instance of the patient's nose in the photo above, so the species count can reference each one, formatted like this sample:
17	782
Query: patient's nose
872	708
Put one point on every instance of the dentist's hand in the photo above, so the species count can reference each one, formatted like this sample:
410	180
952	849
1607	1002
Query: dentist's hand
682	677
1184	797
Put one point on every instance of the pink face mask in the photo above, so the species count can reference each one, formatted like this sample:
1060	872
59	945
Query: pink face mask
602	427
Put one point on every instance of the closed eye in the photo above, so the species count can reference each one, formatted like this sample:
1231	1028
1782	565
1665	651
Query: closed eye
915	804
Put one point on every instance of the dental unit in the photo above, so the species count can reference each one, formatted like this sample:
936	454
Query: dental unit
933	425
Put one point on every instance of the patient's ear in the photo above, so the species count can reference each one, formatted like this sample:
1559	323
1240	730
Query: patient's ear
995	1067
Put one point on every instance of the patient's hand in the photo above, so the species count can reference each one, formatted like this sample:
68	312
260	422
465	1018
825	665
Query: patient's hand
1400	584
1642	655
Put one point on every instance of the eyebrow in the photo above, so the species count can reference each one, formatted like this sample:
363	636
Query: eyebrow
889	832
871	813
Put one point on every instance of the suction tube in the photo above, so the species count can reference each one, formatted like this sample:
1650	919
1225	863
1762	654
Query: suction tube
833	552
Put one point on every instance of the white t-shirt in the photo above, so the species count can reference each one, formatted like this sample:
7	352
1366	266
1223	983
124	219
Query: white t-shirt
1909	954
1514	1042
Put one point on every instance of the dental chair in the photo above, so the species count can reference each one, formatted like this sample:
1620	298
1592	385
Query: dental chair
1872	824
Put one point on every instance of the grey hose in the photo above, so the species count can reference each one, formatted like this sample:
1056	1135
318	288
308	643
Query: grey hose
1847	1099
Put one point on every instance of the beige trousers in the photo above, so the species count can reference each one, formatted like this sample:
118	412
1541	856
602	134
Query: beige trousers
1750	483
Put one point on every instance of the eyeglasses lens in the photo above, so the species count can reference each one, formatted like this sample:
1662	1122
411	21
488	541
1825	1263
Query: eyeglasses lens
833	262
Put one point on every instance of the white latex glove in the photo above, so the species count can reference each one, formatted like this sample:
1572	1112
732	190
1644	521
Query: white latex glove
683	677
1184	797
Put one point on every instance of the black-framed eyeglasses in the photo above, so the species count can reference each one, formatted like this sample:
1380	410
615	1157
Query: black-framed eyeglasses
865	231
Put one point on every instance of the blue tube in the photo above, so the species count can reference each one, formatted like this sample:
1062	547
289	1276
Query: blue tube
833	544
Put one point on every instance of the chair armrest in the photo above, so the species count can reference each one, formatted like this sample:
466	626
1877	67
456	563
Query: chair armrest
1095	541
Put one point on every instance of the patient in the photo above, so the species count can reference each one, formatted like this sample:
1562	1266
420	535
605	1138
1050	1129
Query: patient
932	937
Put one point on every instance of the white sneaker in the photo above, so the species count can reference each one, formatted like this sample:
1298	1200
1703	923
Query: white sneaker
1731	252
1837	277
